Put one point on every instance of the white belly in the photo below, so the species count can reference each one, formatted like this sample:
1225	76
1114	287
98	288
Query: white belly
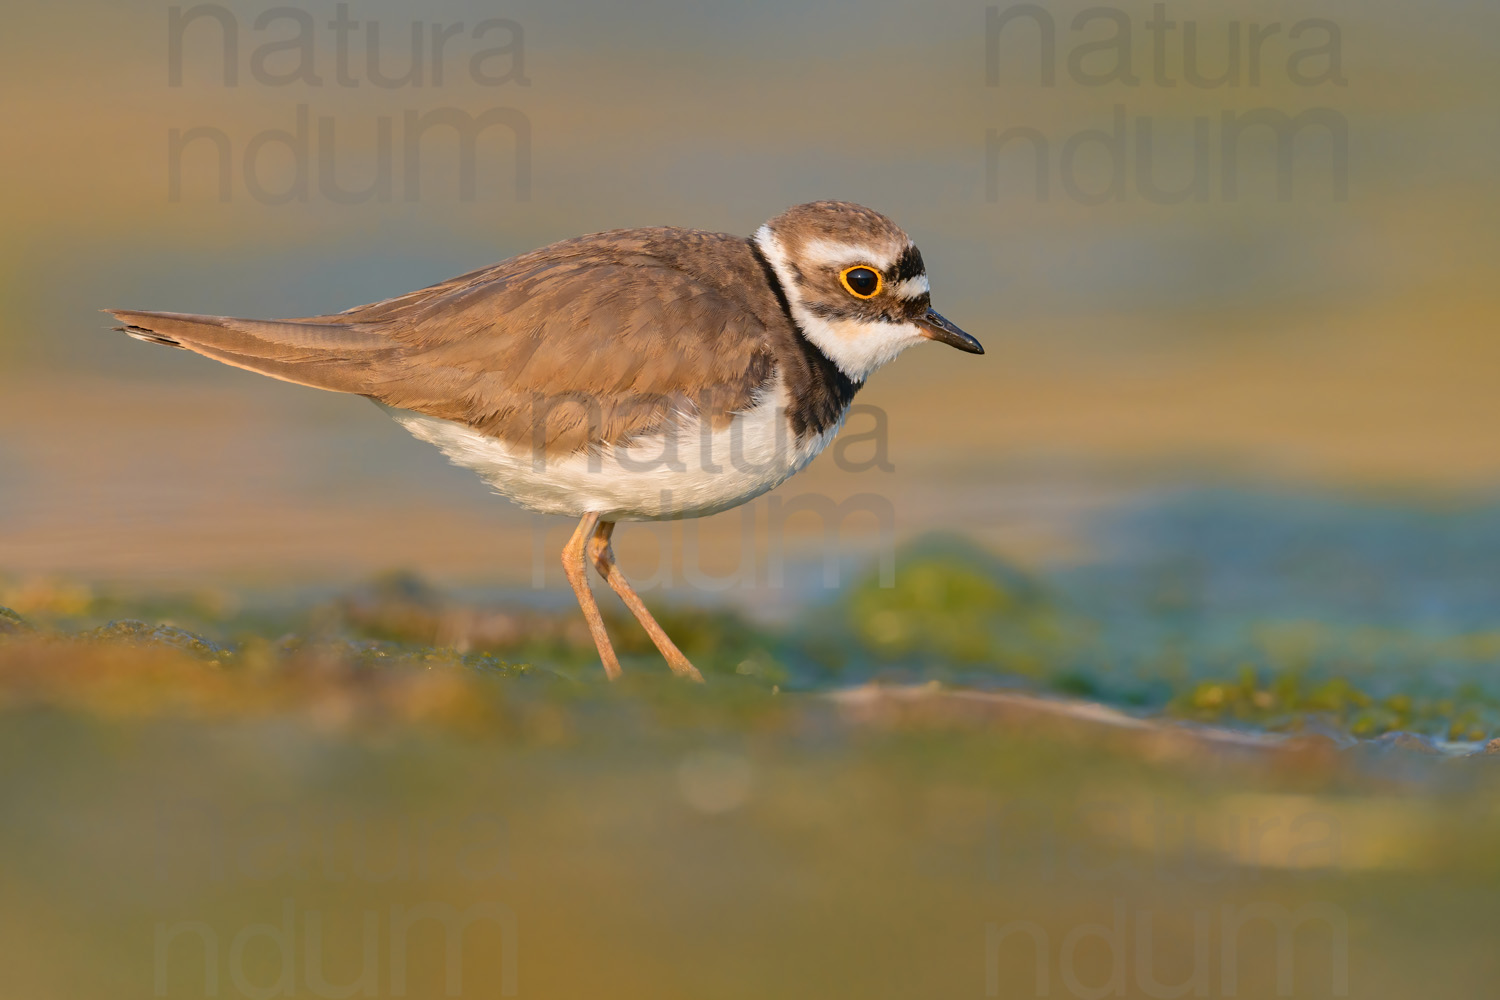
688	472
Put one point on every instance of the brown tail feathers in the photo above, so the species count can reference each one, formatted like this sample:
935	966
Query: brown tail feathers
321	353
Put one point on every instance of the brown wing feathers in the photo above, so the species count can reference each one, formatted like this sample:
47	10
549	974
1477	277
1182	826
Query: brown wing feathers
592	340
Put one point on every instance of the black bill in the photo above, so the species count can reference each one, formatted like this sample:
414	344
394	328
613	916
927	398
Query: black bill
935	327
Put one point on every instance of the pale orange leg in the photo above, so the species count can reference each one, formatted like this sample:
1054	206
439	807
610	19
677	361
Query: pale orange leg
603	556
577	571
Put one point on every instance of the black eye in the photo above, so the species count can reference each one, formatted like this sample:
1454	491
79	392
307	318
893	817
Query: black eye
861	281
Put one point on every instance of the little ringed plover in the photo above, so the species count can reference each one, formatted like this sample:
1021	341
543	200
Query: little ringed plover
638	374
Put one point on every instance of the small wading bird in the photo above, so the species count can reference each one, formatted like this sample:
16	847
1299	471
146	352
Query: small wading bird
633	375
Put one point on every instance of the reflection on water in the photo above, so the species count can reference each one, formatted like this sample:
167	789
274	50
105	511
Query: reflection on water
660	841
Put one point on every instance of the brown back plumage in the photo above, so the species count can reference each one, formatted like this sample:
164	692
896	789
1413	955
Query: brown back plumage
593	340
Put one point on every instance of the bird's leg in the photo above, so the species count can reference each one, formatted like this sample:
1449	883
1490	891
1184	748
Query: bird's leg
603	556
573	556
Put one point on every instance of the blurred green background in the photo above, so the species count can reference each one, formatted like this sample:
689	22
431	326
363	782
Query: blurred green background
1229	460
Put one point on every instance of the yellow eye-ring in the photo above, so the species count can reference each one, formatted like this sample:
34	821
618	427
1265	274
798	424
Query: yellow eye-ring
861	281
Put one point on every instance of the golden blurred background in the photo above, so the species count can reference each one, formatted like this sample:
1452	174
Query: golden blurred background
1338	338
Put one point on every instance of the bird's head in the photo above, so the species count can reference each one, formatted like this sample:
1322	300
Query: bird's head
855	284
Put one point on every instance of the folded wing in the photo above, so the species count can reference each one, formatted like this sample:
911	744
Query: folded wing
587	342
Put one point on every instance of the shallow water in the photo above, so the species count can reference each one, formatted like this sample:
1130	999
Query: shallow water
279	792
664	842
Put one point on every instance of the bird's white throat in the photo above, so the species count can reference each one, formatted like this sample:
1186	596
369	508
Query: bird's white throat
858	347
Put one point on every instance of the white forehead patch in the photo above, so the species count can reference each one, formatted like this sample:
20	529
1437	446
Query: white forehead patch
912	288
